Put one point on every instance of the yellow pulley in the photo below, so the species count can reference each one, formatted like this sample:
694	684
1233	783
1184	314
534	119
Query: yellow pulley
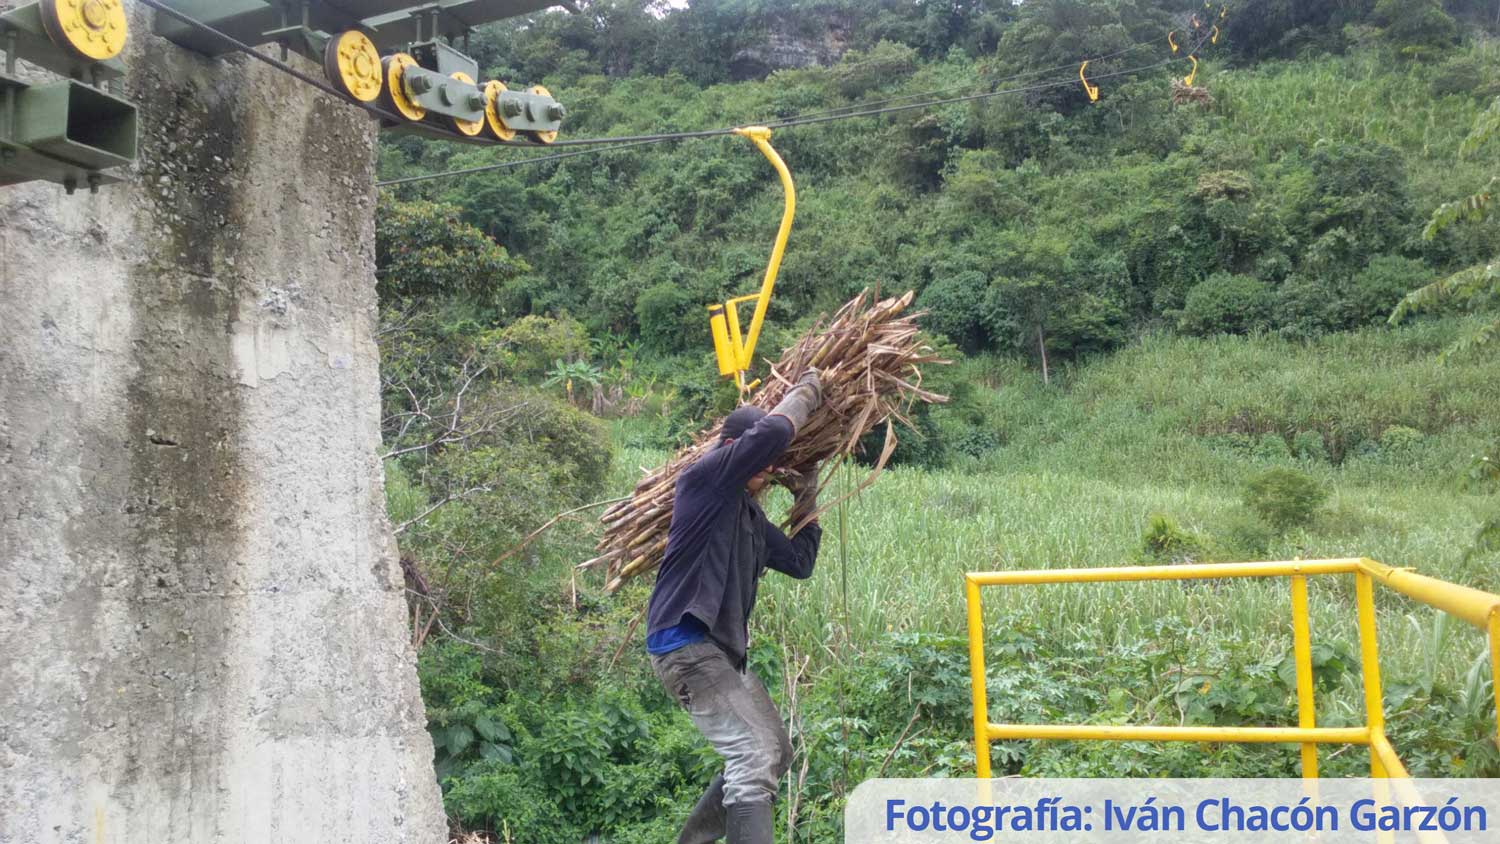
538	136
466	127
93	29
494	117
352	64
1091	90
395	96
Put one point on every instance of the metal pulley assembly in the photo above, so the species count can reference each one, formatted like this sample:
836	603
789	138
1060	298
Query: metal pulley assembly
70	131
422	78
433	85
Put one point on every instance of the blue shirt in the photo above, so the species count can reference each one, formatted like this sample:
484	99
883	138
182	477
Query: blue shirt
680	635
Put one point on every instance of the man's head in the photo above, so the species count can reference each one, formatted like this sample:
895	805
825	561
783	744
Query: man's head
735	425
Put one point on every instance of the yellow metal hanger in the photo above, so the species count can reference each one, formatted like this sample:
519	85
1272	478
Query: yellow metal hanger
733	350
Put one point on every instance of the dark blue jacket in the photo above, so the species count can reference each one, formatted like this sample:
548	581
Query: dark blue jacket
721	542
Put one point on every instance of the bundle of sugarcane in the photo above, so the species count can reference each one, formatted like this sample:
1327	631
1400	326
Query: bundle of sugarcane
867	357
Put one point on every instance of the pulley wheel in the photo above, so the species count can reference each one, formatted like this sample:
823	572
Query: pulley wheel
493	116
541	137
353	65
394	96
467	127
91	29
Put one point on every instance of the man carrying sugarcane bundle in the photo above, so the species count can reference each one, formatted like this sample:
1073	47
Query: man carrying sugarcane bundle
719	544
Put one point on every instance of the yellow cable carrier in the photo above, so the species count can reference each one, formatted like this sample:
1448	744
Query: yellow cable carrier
1091	90
735	351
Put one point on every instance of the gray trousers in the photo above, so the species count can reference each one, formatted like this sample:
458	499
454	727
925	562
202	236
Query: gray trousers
735	714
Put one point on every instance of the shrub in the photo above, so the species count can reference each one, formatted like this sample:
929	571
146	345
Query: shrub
977	442
955	308
1306	307
1226	304
1246	537
1163	541
664	312
1309	445
1373	292
1284	498
1458	75
531	345
1399	443
1271	447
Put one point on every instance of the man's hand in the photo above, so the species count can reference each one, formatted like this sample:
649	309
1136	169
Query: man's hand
811	378
802	399
804	488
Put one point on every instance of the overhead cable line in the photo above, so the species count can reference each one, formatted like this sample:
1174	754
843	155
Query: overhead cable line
642	140
502	165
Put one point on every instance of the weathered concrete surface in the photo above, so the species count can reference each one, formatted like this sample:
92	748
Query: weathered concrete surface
203	633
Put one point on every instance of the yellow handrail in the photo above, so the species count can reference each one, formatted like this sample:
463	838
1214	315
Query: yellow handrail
734	352
1481	609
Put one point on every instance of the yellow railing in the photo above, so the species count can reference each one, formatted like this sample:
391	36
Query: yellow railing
1481	609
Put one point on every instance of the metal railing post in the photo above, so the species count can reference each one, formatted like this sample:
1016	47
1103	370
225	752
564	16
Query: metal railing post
1495	668
976	681
1302	649
1364	595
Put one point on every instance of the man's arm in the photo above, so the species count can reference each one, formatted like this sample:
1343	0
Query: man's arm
731	465
794	556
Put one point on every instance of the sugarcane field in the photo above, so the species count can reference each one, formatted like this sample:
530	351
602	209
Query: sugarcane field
802	421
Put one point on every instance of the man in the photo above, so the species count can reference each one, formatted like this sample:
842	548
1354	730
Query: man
718	546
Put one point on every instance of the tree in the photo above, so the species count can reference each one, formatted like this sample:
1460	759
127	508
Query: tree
423	249
1415	26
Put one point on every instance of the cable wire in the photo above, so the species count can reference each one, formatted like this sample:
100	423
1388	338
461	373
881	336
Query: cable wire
945	90
642	140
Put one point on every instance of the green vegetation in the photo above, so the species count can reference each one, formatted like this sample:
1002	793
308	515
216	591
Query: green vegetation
1169	327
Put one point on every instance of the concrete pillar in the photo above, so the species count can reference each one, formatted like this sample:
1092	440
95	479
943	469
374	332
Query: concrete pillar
203	635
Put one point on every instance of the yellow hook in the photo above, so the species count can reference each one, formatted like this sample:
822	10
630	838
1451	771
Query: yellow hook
1172	41
1091	90
1215	39
1194	75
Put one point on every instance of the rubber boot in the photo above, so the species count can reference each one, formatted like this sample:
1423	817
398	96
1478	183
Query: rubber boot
749	823
705	824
